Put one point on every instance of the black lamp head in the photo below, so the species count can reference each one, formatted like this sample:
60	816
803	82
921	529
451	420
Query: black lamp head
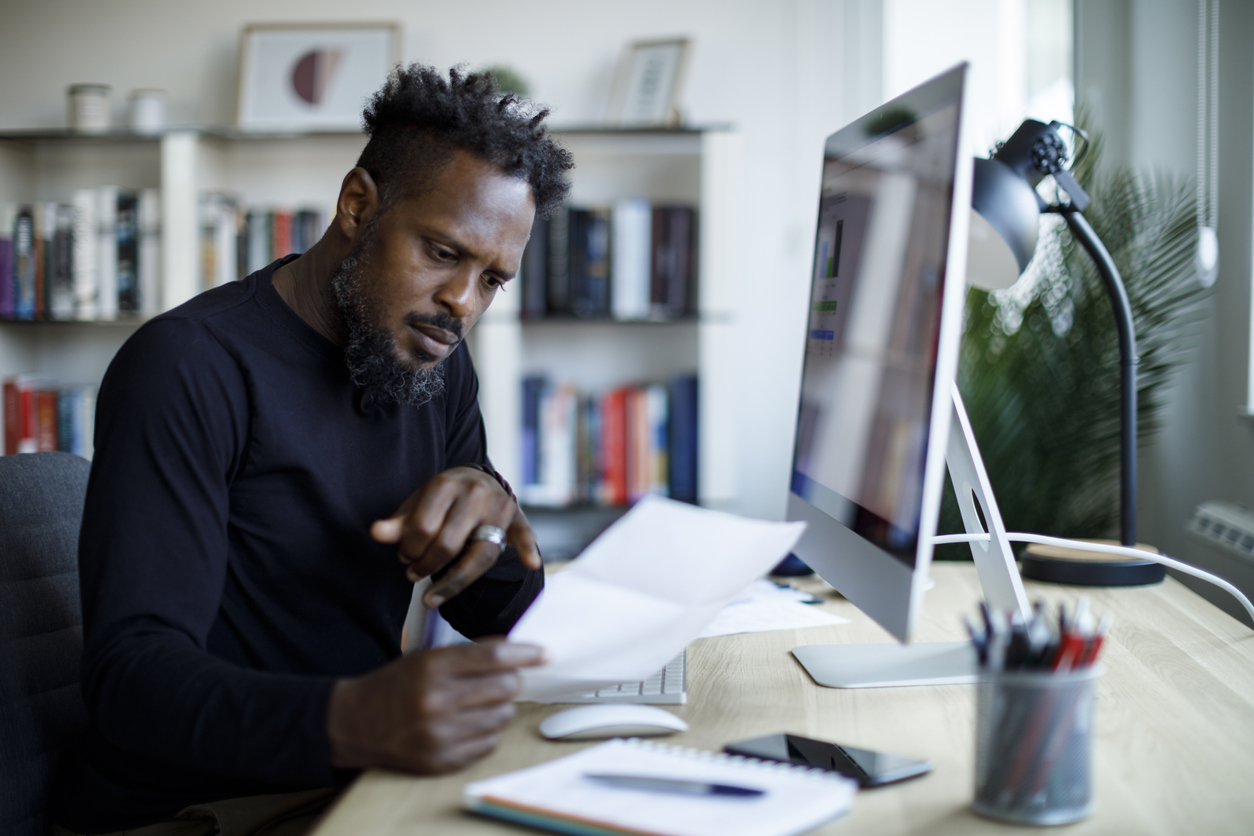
1006	216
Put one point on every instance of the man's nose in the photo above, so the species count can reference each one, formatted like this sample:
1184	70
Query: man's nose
457	295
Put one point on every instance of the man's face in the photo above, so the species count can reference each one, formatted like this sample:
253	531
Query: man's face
422	273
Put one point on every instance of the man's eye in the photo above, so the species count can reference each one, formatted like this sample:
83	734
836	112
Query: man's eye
494	283
443	254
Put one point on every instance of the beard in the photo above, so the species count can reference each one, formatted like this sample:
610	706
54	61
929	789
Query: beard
371	353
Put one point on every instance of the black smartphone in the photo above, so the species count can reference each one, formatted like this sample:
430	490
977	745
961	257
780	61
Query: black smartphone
870	769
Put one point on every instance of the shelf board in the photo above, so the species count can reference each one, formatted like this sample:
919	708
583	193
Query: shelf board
116	135
123	321
651	130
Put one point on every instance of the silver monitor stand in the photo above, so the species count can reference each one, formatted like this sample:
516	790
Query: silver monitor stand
936	663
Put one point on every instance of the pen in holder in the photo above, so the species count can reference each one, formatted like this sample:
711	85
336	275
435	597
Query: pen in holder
1033	740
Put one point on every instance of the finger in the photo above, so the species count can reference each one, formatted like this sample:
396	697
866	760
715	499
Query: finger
389	529
473	505
479	558
468	660
521	537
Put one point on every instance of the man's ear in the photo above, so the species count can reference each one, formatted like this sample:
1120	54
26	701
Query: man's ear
357	204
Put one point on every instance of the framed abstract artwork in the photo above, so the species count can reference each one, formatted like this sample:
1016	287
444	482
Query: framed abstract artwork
311	76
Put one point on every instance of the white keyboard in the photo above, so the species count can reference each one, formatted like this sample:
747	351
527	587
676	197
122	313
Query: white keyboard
669	686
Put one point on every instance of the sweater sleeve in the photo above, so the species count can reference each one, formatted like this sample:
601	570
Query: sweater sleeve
492	604
171	432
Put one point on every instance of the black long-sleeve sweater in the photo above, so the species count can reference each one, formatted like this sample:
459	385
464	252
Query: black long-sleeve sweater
228	575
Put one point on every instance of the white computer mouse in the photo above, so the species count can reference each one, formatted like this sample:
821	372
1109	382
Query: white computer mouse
593	722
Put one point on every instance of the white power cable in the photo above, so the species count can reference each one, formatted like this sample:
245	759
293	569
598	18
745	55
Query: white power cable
1080	545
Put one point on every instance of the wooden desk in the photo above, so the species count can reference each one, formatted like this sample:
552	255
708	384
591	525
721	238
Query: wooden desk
1174	747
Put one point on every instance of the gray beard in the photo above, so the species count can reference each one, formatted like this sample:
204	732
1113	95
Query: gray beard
371	353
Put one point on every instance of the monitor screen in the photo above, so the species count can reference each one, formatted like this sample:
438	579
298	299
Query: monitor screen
876	289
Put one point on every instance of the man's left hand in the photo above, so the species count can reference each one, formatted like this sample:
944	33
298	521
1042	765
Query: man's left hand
433	526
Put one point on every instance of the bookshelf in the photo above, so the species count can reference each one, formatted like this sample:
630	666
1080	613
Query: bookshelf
699	167
262	169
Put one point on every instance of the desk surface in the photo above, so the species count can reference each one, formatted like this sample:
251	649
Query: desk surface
1174	748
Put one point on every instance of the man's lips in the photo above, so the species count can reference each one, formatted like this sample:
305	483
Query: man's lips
435	341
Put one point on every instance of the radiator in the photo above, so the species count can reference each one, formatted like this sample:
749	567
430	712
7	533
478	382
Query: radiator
1220	539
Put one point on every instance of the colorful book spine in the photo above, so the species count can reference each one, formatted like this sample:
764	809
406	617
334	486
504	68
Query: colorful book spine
127	226
39	416
24	264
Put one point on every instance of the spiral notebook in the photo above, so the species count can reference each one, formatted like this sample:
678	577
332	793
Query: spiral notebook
558	796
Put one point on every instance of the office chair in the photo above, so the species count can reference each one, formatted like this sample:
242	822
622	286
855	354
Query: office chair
41	632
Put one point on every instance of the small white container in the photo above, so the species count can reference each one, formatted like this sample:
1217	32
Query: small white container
147	110
88	107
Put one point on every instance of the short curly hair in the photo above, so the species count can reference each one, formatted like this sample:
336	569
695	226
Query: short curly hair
420	118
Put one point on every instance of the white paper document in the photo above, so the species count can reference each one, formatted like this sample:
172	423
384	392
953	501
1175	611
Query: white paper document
642	591
763	606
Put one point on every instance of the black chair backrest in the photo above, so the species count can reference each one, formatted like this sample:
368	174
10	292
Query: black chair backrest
41	633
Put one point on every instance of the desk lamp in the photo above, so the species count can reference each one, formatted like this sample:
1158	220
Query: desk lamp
1005	225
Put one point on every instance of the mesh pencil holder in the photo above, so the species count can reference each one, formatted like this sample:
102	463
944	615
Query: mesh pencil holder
1033	746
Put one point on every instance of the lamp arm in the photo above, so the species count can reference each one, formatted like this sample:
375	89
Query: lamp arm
1128	361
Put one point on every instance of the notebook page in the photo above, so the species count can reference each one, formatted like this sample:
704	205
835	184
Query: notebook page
796	799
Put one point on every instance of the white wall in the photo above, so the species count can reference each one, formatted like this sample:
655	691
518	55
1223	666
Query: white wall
785	72
1137	70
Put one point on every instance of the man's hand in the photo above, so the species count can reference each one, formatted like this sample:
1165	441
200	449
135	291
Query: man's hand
432	526
429	712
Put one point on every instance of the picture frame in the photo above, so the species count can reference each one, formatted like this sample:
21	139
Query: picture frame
306	77
648	84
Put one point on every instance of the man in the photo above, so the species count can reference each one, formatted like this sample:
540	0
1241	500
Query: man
263	455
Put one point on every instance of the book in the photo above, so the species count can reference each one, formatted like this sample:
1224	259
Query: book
126	224
149	216
45	419
20	416
632	229
558	795
673	273
8	216
588	263
535	271
24	263
257	234
682	443
83	262
59	262
281	234
557	296
533	388
107	252
613	448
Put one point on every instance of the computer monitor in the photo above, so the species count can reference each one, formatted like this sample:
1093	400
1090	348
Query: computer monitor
875	413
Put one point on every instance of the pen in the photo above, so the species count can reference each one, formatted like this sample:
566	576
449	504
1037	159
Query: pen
673	785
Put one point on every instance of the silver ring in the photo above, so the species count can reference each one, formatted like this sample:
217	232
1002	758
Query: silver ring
491	533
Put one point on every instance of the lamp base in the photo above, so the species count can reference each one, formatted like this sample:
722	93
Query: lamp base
1055	564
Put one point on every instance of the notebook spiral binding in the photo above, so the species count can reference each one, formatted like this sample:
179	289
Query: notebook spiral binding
736	760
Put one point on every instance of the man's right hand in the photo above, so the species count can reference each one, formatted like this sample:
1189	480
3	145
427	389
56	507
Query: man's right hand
429	712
